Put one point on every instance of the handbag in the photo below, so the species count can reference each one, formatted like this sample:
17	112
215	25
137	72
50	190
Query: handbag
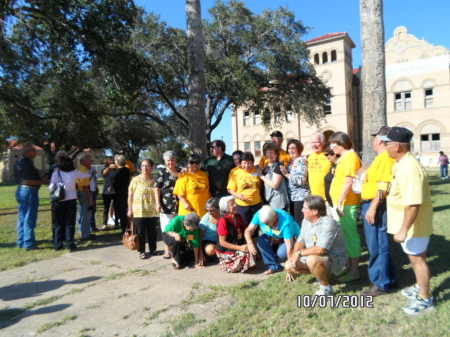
59	192
130	239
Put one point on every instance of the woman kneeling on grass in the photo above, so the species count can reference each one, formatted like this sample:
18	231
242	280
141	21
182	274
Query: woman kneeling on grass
232	253
142	197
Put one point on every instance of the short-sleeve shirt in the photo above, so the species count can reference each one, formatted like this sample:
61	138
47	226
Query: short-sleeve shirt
276	197
378	176
318	168
347	166
165	181
194	187
246	183
218	171
298	179
209	228
283	158
176	225
325	233
144	202
24	169
287	227
83	180
410	187
232	227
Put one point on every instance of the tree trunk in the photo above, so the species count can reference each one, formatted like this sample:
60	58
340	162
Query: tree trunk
196	87
373	73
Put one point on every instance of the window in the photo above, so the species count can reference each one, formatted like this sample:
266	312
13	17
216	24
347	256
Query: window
277	114
402	101
324	57
333	56
257	148
246	118
257	118
428	97
430	142
247	146
327	106
316	59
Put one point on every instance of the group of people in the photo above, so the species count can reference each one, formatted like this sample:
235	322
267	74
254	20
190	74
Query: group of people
297	212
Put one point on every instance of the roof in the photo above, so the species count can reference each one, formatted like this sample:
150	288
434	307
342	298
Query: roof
330	36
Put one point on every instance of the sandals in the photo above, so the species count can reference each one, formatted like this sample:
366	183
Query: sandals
142	256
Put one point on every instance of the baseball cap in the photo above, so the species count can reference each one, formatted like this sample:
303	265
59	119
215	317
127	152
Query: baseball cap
398	134
383	131
276	134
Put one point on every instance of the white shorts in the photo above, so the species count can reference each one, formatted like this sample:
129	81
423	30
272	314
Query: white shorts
415	246
164	220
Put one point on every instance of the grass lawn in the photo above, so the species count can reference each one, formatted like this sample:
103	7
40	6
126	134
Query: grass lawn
269	308
11	257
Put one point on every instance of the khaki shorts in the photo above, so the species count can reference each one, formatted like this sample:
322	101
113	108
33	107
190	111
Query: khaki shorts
336	264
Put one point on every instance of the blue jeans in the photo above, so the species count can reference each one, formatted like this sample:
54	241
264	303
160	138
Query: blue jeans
270	257
444	171
28	199
84	214
381	269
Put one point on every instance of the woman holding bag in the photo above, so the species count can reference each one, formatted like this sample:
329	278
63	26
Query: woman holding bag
142	202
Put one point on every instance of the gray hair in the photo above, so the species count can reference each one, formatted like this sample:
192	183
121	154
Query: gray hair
267	215
120	159
223	203
169	155
213	203
321	136
191	220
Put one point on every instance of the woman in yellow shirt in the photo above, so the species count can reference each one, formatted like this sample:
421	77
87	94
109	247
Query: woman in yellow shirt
192	189
142	201
244	184
345	200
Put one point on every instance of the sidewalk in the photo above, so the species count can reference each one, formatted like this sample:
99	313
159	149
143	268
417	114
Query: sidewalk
107	292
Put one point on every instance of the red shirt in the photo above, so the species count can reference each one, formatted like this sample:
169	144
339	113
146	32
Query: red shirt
238	225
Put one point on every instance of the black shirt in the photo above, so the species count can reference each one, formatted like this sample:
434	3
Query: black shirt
218	171
121	182
108	181
24	170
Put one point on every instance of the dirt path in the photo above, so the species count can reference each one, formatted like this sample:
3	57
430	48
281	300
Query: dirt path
109	292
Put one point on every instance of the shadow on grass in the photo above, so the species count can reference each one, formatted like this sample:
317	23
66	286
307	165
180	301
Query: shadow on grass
12	316
441	208
435	182
30	289
101	241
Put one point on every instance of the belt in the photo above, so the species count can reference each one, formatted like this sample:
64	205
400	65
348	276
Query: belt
29	186
365	200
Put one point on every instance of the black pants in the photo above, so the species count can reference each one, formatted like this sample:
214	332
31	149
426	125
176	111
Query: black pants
120	209
94	210
146	231
107	202
183	254
65	213
296	211
247	212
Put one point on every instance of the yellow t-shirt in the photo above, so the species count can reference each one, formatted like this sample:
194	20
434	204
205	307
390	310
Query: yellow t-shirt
144	202
84	180
283	158
347	166
378	176
194	187
318	167
410	187
246	183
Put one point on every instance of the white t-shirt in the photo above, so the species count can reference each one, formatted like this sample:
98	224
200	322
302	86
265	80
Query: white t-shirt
68	179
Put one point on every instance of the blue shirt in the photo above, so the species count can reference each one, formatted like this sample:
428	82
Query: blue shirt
287	227
209	229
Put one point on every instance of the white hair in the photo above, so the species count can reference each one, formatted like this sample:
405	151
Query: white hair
223	204
120	159
321	137
169	155
267	215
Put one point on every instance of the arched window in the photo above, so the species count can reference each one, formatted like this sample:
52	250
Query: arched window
333	56
316	59
430	138
324	57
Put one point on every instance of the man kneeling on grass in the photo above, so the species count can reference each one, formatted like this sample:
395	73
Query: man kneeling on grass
182	236
320	248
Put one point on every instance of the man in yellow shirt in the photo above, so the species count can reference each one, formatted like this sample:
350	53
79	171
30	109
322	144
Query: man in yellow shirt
373	210
410	216
283	156
318	166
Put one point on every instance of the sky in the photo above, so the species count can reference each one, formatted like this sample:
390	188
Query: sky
427	20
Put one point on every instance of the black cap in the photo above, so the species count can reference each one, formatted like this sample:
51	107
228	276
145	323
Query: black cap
398	134
277	134
383	131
